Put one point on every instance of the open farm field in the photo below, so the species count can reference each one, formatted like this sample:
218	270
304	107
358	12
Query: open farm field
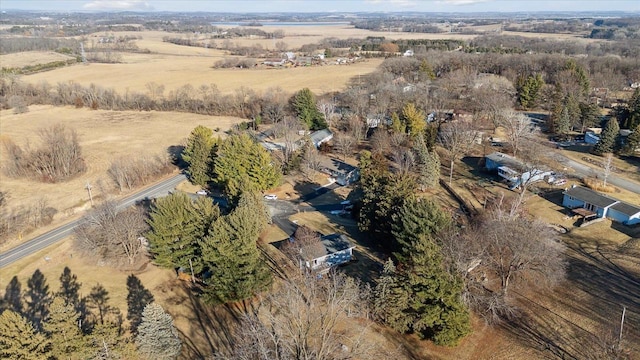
104	136
31	58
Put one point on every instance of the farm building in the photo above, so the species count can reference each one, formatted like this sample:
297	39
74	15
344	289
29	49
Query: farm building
332	250
588	203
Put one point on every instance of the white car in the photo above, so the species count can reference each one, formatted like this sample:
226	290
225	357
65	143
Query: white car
202	192
271	197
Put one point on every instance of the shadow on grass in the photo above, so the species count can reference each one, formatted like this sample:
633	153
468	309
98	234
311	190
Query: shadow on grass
211	327
576	317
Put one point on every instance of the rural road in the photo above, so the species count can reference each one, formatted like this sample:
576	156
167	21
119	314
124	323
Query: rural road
55	235
588	171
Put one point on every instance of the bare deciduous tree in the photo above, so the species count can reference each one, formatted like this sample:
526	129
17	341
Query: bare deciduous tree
501	253
517	127
111	235
344	144
327	108
312	160
607	168
128	173
456	138
300	321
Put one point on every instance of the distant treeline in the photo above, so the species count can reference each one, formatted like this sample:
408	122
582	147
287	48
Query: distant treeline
15	45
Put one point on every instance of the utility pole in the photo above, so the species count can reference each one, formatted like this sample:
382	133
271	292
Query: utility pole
88	187
624	310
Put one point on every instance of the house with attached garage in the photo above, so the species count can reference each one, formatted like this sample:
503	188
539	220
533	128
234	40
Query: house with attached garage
591	204
514	171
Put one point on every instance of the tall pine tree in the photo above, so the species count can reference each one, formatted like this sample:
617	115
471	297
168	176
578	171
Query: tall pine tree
632	142
608	138
414	119
428	165
416	217
64	331
177	224
304	105
157	336
237	269
197	155
19	340
241	164
425	298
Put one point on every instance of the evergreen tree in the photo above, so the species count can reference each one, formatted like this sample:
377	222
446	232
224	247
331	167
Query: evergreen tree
64	331
197	154
19	339
177	224
608	138
529	90
105	342
414	119
416	217
632	142
428	165
562	123
137	299
304	105
241	164
157	336
589	115
398	126
237	269
580	75
427	70
13	296
632	121
426	298
38	299
383	194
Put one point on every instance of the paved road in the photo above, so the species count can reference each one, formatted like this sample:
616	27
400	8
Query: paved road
160	189
583	170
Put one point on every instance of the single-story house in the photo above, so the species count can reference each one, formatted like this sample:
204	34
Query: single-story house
321	136
332	250
344	173
587	202
509	168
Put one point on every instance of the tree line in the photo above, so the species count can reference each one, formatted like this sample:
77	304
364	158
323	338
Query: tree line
38	323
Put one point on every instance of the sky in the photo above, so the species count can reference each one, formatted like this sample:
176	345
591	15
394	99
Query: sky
246	6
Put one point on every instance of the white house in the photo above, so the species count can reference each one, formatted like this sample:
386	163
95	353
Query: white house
589	203
332	250
408	53
321	136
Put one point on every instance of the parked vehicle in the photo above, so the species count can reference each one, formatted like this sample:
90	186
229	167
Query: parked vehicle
271	197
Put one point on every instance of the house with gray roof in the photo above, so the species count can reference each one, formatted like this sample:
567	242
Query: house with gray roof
589	203
332	250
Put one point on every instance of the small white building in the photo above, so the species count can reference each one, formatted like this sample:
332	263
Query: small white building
332	250
321	136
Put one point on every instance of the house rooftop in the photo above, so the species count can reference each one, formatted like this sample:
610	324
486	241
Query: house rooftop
590	196
329	244
504	159
626	208
318	136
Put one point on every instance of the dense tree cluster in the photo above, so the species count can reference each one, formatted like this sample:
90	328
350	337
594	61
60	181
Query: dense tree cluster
221	250
64	325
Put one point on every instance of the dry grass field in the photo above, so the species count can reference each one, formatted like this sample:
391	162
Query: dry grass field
22	59
174	66
104	136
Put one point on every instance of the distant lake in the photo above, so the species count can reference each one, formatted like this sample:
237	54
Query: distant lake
278	23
